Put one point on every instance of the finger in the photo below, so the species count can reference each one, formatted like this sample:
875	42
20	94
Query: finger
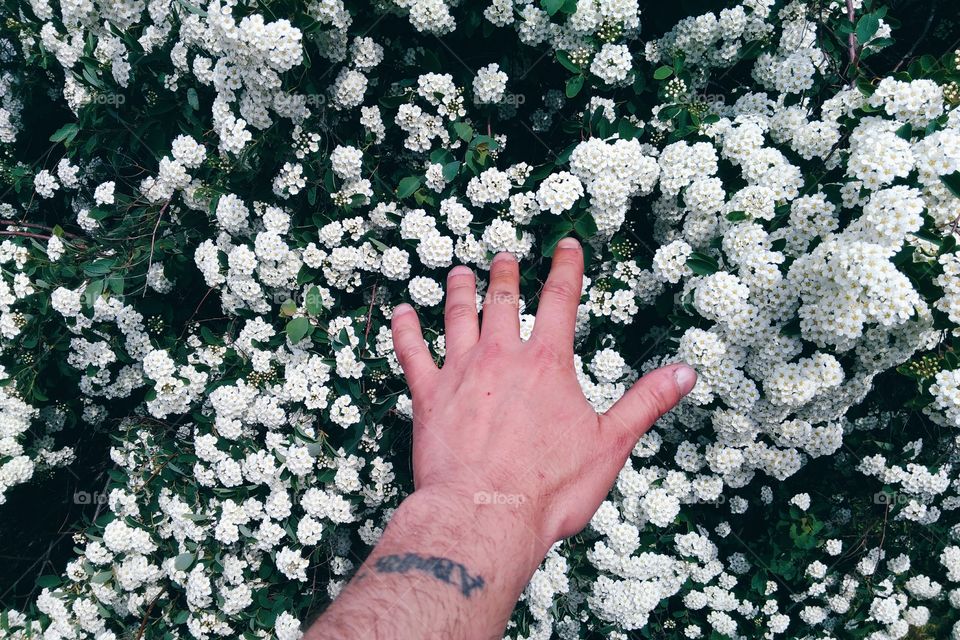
460	312
411	350
651	397
557	311
501	317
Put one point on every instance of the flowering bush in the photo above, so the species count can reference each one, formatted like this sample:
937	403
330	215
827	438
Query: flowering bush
210	210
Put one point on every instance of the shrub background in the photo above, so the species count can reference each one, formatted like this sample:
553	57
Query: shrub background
130	467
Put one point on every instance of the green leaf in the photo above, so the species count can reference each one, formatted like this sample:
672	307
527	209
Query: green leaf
552	6
929	236
952	181
66	133
93	291
554	235
102	577
298	329
585	226
99	267
663	73
574	85
288	308
209	337
408	186
702	264
569	64
867	28
464	131
116	284
669	112
486	142
183	561
48	582
314	301
192	99
450	170
737	216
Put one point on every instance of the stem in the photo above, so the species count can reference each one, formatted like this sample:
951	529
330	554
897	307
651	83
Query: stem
25	234
153	240
852	38
15	223
926	29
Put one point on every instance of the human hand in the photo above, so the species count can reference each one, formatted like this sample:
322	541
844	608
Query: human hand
508	457
506	420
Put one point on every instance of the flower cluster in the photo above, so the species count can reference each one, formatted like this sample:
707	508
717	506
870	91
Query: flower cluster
200	277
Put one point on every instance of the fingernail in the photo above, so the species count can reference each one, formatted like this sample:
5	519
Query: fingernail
401	309
568	243
504	255
686	378
460	270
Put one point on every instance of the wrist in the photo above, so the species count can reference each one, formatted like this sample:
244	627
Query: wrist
492	534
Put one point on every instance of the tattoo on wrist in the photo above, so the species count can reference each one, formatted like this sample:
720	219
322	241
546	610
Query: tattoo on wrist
443	569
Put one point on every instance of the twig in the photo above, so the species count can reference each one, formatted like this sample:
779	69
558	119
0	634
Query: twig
36	236
153	240
852	38
373	300
923	36
146	616
25	234
15	223
186	325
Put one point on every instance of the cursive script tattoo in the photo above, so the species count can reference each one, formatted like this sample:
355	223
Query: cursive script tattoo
442	569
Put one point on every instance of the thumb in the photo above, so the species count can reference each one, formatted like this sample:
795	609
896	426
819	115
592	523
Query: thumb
649	398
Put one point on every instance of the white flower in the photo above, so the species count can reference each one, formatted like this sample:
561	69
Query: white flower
45	184
425	291
613	63
103	194
559	192
490	84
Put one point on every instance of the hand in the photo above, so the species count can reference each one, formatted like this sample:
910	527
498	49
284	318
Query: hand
506	421
508	457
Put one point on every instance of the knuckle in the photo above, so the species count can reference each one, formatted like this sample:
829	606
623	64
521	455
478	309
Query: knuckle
659	401
491	350
402	333
566	258
501	295
560	290
620	435
501	271
408	352
460	282
546	355
461	311
624	440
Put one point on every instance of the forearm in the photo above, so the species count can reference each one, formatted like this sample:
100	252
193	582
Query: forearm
446	567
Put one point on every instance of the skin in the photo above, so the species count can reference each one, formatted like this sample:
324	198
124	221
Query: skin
508	458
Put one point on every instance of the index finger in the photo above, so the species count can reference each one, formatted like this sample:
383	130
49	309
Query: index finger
557	311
